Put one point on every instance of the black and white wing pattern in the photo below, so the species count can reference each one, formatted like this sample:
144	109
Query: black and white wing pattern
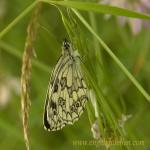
67	91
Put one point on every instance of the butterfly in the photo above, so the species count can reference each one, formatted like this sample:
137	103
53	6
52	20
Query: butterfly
67	92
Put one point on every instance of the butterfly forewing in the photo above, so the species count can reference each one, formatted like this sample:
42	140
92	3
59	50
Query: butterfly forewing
67	92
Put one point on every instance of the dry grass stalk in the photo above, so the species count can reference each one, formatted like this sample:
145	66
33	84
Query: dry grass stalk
26	71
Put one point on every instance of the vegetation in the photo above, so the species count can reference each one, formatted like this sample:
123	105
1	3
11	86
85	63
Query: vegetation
115	63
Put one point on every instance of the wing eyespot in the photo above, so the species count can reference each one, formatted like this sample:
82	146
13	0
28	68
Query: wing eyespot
61	101
77	104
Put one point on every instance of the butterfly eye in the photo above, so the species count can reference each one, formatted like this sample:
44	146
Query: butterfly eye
66	44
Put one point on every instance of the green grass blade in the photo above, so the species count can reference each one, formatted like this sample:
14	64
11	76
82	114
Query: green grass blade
113	56
99	8
16	53
17	19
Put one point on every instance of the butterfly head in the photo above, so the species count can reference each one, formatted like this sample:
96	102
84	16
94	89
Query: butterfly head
66	47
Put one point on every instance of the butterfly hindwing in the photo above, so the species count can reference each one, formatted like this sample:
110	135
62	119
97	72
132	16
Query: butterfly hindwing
67	93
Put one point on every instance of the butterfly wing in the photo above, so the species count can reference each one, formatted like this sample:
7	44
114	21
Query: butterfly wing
73	93
52	90
66	95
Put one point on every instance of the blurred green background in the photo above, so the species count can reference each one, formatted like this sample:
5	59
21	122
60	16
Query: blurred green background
132	50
